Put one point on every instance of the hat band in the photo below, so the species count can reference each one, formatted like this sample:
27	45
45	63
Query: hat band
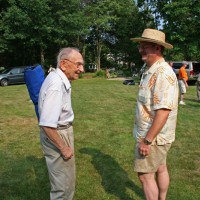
153	39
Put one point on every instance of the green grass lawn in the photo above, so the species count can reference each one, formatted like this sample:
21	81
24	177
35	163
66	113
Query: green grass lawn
104	116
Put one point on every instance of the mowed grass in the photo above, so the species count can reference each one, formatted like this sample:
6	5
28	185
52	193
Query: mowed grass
104	118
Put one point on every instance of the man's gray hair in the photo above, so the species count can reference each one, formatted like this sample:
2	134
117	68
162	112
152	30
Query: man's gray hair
65	53
185	63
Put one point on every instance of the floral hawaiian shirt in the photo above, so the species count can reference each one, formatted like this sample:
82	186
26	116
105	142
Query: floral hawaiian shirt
158	90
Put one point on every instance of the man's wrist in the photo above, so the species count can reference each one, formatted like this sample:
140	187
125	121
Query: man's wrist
147	141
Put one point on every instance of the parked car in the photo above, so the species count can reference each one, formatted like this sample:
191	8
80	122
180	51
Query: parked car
129	82
12	76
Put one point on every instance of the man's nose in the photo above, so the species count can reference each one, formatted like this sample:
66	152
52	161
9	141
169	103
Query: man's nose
81	68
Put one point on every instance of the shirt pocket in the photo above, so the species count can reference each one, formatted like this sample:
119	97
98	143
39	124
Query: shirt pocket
142	96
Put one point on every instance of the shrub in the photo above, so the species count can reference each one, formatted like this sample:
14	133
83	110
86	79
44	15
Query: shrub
100	73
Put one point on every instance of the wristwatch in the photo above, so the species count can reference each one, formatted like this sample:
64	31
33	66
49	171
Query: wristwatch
147	142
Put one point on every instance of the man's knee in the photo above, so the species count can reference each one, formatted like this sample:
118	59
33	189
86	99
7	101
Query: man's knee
145	177
162	169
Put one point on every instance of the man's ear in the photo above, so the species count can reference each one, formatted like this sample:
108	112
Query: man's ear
63	65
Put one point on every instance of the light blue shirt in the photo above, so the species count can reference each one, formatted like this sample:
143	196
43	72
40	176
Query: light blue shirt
55	100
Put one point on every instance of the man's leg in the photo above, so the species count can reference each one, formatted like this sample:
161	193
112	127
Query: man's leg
62	178
182	97
149	185
162	181
61	172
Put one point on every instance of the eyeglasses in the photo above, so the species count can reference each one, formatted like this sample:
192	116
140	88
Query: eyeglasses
144	47
77	64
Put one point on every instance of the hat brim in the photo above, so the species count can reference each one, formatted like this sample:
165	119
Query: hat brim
166	45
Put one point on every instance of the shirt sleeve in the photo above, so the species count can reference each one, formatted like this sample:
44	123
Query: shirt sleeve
52	106
164	91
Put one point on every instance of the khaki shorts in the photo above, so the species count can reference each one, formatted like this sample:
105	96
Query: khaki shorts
150	163
182	86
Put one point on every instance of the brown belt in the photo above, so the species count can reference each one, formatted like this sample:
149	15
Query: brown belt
66	126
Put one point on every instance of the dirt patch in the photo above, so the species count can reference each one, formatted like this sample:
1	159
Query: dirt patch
87	76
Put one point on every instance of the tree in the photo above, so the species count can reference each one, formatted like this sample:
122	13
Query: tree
34	31
27	24
100	15
128	18
40	25
180	22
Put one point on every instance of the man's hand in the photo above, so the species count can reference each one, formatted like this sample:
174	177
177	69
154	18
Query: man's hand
52	133
158	123
144	149
66	152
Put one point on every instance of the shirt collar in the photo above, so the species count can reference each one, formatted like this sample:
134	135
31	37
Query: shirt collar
64	78
152	69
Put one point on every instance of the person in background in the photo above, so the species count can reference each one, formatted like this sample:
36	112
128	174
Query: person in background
55	121
198	88
107	74
182	81
156	115
51	69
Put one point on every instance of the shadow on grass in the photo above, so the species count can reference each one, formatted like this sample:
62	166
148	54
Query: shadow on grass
114	179
24	179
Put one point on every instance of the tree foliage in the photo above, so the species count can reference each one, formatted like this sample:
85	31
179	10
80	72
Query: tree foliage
180	22
33	31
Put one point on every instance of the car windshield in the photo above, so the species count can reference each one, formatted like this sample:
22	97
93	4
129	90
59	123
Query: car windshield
179	65
5	71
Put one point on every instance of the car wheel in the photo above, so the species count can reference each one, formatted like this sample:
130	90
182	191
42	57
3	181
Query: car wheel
4	82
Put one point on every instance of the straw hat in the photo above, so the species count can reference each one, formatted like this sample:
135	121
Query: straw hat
154	36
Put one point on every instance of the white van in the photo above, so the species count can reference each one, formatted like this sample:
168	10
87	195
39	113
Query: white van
193	68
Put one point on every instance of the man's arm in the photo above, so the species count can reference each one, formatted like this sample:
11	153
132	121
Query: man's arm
58	142
184	80
159	121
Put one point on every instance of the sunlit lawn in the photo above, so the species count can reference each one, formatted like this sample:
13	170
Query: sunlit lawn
104	116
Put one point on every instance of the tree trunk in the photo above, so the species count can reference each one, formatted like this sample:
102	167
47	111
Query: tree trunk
98	53
42	56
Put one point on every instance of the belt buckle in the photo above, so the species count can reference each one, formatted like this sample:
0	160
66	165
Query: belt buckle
68	125
62	127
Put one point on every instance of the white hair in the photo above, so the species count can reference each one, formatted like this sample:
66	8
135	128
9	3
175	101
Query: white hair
65	53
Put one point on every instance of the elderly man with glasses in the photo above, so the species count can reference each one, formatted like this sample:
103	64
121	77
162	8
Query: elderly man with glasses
56	117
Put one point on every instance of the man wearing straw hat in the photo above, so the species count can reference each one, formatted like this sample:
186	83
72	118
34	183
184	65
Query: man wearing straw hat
156	114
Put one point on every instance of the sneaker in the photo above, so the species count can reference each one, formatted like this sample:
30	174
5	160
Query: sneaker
182	103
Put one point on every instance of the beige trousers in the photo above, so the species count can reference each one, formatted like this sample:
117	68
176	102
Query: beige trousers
61	172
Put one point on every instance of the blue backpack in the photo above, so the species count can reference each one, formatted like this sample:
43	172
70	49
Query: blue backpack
34	77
